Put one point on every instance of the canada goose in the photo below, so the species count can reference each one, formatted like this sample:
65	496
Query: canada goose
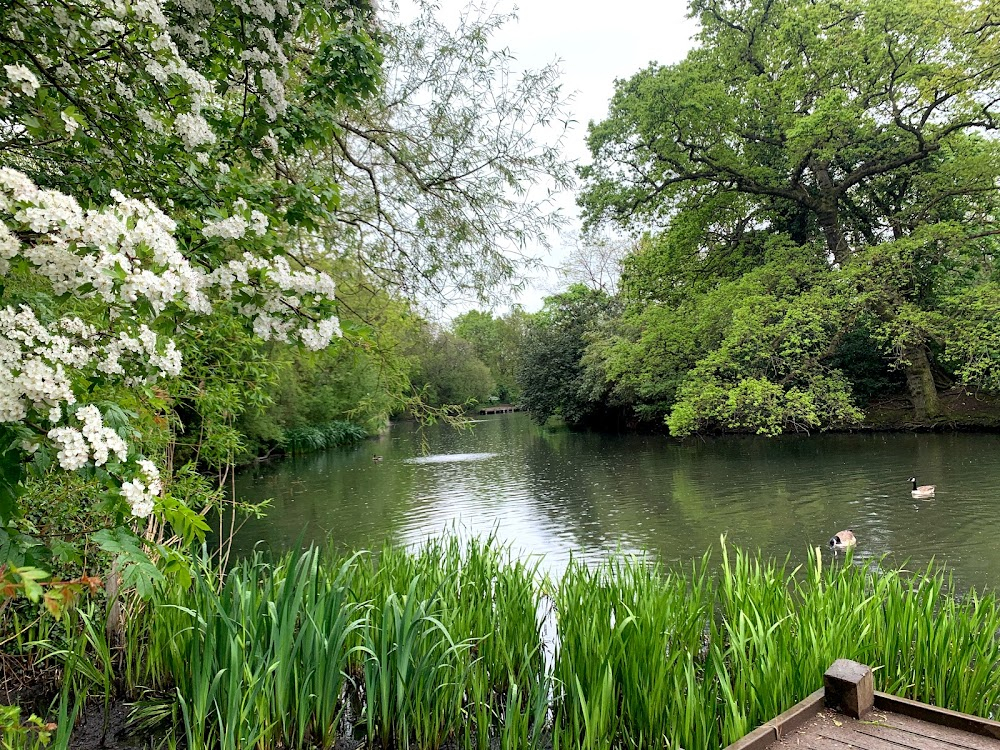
843	540
924	490
377	459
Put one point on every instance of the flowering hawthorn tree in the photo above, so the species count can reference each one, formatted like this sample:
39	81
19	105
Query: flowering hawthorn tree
143	182
172	166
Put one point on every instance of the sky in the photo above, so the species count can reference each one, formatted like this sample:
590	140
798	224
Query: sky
594	43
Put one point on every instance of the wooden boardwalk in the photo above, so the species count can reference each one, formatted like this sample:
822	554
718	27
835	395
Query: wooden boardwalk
848	714
879	730
499	409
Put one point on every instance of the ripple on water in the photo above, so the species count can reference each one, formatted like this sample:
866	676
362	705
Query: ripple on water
447	458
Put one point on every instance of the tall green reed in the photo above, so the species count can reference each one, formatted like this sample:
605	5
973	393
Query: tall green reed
445	645
631	651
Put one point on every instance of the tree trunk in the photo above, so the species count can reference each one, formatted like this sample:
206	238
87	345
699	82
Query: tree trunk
828	213
836	243
920	381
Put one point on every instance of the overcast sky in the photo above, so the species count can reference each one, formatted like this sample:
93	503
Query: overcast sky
595	43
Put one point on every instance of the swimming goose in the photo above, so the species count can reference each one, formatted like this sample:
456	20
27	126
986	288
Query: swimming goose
924	490
843	540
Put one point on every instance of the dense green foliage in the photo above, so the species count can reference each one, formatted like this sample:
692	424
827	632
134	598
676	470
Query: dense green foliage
553	376
451	644
447	370
318	437
498	342
814	188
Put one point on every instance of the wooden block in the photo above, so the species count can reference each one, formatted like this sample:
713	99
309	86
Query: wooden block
850	688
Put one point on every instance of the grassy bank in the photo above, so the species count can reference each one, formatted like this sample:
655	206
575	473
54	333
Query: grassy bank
465	647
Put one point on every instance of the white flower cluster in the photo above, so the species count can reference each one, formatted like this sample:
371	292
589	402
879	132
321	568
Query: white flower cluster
122	254
94	442
73	451
29	378
319	336
138	40
235	227
141	493
161	360
280	292
258	223
22	78
267	28
70	123
194	130
230	228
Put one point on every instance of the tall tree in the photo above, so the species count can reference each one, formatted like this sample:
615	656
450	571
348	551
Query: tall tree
446	369
856	128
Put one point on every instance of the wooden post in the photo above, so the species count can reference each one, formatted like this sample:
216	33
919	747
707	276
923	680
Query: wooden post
850	688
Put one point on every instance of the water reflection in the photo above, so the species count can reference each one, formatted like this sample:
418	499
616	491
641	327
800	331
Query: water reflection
560	493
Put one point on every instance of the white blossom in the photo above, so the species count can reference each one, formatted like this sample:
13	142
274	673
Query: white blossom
231	228
320	335
70	123
149	121
193	130
258	223
103	440
123	253
139	498
22	78
73	451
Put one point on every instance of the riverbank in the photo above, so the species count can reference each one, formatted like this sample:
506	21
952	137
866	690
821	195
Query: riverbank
464	646
962	410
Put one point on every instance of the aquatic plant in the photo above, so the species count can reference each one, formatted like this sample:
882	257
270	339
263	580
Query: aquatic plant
313	438
460	644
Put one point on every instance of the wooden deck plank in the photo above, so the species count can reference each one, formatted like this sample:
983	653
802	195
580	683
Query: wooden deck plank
860	740
915	740
976	742
822	733
922	738
812	742
823	721
936	715
879	730
821	743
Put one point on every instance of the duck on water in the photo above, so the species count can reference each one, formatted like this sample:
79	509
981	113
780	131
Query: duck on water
843	540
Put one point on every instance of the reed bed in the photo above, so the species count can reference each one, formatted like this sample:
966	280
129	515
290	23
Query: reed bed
320	437
449	646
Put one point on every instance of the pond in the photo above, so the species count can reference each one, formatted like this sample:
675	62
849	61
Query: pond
559	493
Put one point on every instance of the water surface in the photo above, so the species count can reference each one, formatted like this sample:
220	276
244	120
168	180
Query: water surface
562	493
